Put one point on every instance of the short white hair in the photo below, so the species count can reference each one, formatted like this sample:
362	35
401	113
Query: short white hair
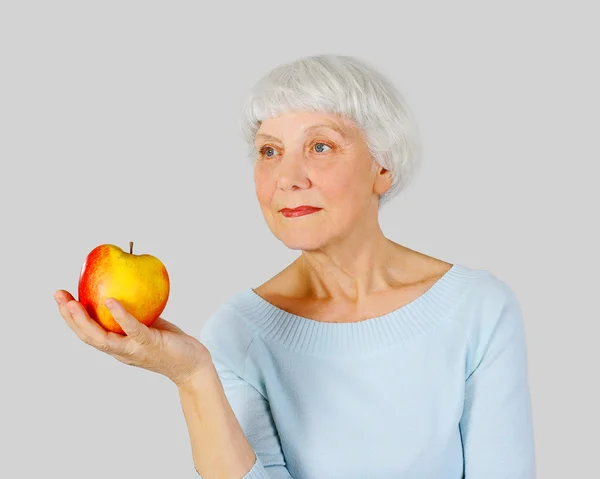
351	88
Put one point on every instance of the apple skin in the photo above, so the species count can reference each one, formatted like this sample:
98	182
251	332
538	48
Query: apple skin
139	282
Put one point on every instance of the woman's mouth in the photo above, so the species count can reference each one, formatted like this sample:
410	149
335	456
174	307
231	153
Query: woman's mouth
300	211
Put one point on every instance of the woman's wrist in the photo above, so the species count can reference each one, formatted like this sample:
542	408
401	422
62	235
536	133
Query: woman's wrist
199	380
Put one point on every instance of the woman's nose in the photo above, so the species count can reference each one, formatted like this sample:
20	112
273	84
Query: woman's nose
291	172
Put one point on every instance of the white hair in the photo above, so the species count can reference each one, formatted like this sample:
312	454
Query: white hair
351	88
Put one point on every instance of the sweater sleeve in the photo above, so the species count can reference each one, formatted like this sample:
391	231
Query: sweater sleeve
496	424
228	343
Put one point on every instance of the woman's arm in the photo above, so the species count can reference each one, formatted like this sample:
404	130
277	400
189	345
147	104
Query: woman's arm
230	424
496	425
219	446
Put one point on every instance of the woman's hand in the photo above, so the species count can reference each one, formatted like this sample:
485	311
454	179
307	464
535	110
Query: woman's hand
162	348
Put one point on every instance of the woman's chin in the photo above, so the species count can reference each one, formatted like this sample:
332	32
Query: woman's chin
301	242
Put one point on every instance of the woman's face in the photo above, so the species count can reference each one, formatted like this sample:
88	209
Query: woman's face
303	160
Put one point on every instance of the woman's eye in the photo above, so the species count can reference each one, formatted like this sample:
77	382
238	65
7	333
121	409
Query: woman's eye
320	150
264	149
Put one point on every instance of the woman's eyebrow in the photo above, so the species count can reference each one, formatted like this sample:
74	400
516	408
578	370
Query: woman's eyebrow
312	127
340	130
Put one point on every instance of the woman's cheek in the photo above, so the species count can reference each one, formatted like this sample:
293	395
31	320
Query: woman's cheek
263	187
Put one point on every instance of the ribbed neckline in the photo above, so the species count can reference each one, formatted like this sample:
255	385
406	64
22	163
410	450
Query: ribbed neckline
302	334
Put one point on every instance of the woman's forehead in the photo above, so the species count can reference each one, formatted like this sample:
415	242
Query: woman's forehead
305	122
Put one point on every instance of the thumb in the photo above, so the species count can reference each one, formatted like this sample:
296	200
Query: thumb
132	327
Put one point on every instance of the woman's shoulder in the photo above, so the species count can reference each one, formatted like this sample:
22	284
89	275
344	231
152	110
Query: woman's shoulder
226	333
487	288
488	305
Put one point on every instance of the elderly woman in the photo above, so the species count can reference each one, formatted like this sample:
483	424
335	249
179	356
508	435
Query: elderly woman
363	358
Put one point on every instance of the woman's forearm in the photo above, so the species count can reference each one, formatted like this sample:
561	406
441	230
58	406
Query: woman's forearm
220	448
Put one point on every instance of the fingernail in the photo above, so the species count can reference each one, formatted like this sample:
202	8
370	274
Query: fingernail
109	303
58	300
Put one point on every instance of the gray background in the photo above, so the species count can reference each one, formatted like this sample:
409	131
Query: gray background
119	123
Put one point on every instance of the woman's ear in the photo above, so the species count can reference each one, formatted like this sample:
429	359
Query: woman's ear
383	180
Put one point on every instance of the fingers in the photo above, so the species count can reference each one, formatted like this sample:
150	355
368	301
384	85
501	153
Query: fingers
133	328
62	296
88	330
86	326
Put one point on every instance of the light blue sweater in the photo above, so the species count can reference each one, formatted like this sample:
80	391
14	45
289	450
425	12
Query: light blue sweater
436	389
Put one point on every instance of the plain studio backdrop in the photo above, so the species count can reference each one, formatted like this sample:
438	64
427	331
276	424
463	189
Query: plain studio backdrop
119	122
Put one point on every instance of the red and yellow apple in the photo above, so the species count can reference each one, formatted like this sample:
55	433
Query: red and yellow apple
139	282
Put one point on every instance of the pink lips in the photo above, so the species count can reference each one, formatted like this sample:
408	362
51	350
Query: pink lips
300	211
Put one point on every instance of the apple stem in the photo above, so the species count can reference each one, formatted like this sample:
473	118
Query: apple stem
131	247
